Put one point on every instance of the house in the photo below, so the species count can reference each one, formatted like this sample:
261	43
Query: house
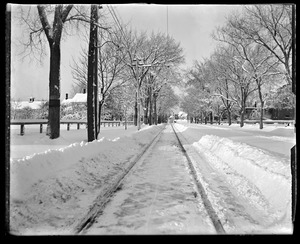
24	104
78	98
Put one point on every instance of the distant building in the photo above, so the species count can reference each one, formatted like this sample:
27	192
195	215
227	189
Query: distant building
31	104
78	98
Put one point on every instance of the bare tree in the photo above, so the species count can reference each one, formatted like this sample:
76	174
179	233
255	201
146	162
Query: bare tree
143	54
110	70
271	27
258	62
36	22
53	33
218	76
167	100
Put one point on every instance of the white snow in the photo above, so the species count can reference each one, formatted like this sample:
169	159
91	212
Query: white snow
264	179
79	97
254	170
24	104
35	142
261	169
50	190
180	127
53	182
279	138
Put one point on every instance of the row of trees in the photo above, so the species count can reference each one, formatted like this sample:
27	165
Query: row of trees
251	65
135	69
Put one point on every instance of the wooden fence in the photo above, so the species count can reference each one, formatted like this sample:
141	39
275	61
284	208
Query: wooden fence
287	122
41	122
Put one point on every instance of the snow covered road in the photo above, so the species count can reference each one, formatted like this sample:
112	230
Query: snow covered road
158	197
245	173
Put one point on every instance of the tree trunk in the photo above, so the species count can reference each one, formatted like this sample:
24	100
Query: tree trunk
261	123
146	120
154	108
243	107
54	91
125	116
135	111
99	117
229	116
242	116
150	107
53	34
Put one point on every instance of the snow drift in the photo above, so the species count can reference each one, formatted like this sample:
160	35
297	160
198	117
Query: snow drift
51	191
256	169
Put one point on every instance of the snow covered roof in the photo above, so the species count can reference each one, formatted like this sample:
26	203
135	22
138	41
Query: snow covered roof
78	98
23	104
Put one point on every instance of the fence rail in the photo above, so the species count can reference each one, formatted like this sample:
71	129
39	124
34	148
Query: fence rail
41	122
291	122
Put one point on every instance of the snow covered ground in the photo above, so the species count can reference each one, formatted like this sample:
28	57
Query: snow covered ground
53	182
35	142
251	164
50	191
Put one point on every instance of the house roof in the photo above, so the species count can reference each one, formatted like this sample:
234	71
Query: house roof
23	104
78	98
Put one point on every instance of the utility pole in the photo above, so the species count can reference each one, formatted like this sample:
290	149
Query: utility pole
92	76
293	149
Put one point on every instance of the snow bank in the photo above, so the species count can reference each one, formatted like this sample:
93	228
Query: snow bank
49	191
279	138
270	175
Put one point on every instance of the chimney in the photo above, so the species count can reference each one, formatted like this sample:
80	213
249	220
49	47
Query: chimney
33	99
83	90
66	96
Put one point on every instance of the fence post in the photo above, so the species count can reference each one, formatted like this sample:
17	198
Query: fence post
68	126
22	128
41	128
78	126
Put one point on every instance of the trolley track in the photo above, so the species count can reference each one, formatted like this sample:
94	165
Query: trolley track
210	210
101	201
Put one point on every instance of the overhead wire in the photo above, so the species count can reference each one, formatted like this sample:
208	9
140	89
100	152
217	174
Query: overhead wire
116	20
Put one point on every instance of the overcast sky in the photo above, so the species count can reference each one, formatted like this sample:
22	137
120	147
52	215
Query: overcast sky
191	25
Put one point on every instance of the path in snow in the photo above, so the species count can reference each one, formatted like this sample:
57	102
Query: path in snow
157	197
